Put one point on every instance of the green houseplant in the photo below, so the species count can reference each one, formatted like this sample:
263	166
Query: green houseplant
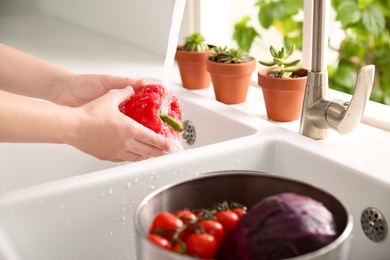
365	26
230	71
283	84
191	60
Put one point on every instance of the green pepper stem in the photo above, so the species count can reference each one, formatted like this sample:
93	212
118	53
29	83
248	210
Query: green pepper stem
176	125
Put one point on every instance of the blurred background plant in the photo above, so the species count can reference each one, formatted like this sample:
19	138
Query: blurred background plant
365	25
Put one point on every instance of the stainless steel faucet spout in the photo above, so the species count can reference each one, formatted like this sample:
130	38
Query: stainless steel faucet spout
318	113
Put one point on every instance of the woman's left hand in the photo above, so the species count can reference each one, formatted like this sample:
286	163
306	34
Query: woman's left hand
80	89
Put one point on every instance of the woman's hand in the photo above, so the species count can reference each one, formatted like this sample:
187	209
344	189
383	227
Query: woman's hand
104	132
79	89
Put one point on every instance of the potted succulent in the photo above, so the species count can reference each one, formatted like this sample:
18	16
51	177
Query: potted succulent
230	71
191	60
283	84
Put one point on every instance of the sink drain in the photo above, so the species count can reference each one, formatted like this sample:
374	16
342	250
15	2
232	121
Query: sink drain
189	132
373	224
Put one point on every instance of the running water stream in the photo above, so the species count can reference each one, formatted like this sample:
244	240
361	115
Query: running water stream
173	39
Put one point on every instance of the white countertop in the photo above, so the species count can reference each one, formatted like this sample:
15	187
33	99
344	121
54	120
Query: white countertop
85	51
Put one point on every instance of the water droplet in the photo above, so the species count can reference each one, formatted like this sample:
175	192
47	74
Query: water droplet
128	185
110	191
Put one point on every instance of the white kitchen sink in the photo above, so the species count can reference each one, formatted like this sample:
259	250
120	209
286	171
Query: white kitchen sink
23	165
90	216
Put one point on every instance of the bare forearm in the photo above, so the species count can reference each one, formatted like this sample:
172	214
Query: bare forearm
24	119
28	75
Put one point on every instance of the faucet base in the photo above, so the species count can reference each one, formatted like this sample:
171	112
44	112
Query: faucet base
313	120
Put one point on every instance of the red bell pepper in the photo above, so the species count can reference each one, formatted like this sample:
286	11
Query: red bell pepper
144	106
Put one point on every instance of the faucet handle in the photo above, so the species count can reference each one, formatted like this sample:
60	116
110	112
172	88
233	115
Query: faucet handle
345	116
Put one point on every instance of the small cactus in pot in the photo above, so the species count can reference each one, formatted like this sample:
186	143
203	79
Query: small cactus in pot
283	85
230	71
191	59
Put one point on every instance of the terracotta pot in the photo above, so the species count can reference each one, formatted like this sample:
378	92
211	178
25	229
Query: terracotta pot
283	97
192	68
231	81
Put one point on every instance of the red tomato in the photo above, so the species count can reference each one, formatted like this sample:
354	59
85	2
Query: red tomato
201	245
164	224
185	215
214	228
239	212
199	214
228	220
160	241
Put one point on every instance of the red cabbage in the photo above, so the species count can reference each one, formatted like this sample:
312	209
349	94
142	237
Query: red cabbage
283	226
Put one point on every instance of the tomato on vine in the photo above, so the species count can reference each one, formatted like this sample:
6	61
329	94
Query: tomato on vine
159	241
239	212
228	220
185	215
165	224
201	245
213	228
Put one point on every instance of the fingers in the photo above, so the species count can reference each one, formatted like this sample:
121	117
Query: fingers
140	151
137	143
113	82
150	138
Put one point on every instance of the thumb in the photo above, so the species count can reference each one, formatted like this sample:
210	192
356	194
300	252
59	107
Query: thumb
122	95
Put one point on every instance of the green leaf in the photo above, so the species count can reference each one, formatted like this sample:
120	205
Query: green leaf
243	34
291	64
267	63
290	51
273	51
353	48
345	76
373	19
289	25
386	100
283	53
293	68
265	18
297	41
269	12
376	95
292	7
348	12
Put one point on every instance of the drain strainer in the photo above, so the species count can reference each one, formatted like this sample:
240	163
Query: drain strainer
189	132
373	224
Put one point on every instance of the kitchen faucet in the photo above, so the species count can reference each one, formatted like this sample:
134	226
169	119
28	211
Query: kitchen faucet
318	113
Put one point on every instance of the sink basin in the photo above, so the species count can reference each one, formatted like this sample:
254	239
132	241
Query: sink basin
90	216
24	165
